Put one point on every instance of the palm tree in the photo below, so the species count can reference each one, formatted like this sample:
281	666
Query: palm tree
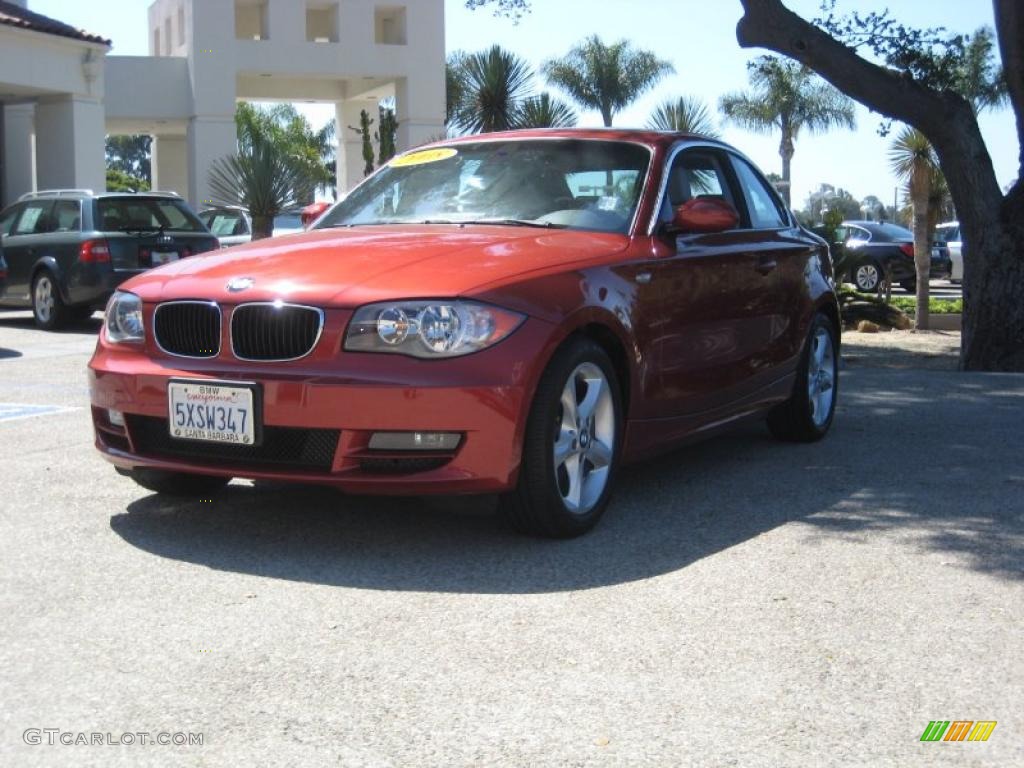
455	86
261	178
913	160
493	84
283	126
545	112
687	114
787	97
606	78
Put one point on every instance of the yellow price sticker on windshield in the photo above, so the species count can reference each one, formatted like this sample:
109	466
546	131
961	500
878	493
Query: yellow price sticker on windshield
424	157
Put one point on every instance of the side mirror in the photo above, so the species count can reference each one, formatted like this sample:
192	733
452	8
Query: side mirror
704	215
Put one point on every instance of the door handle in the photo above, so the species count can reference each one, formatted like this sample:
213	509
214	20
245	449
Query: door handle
764	266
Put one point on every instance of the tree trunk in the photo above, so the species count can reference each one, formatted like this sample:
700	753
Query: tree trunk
993	321
606	115
262	227
786	152
993	228
922	251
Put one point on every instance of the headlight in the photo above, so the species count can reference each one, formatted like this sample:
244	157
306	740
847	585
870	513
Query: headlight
124	318
429	329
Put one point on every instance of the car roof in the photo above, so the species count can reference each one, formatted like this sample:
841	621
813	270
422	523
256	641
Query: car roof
634	135
883	229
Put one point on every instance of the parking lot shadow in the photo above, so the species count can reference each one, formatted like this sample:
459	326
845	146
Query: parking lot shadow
23	319
933	457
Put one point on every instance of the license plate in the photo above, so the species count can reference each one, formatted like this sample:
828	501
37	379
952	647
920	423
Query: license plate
214	412
164	257
936	253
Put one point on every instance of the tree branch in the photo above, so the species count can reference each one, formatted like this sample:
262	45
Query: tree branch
944	117
1010	26
769	24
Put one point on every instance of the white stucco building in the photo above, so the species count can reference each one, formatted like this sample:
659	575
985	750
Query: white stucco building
62	92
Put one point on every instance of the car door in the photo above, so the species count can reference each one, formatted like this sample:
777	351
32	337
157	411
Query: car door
777	293
7	219
20	248
698	306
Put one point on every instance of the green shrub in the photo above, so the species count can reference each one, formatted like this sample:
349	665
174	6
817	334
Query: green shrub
908	304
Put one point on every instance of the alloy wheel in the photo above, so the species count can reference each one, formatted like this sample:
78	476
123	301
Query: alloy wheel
821	372
867	277
43	301
584	438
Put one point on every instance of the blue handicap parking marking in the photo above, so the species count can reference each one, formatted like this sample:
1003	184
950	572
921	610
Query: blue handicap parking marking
11	411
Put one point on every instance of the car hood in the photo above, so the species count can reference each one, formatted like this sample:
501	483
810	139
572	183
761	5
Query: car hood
351	267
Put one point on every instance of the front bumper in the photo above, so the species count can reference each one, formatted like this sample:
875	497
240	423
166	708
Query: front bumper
319	413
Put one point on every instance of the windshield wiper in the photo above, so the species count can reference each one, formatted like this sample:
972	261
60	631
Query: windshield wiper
508	222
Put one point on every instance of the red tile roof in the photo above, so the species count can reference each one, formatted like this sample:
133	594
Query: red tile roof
12	15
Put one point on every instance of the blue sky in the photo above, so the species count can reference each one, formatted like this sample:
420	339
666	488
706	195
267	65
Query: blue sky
697	36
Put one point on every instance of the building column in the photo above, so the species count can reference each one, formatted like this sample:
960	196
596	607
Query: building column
70	135
18	152
286	21
170	164
420	104
208	139
350	145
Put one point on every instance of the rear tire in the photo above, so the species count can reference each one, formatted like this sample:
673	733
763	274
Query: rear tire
571	446
176	483
868	276
48	307
807	416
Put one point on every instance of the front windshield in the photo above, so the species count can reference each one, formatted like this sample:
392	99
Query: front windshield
574	184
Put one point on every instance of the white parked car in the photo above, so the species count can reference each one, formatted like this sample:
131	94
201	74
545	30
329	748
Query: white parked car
233	226
949	233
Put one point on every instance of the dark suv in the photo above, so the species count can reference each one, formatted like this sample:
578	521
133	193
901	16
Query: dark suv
67	250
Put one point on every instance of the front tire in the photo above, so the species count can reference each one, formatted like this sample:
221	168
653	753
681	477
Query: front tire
48	307
808	414
176	483
571	447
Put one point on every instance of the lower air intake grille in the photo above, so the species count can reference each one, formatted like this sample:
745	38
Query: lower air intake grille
291	447
188	328
388	466
274	331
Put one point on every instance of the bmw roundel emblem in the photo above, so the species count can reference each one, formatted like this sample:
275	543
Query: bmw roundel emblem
238	284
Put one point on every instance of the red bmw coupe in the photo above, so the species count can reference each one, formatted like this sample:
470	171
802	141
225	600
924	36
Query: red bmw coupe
517	313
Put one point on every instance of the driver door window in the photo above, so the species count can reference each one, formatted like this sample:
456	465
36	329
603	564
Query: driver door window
766	211
695	174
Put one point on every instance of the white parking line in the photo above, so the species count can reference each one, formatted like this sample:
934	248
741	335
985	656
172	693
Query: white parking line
15	411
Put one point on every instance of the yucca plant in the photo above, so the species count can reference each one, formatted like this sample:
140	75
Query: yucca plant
687	114
262	179
914	162
545	112
489	89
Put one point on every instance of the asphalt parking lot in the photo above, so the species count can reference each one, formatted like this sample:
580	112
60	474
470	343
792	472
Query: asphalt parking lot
744	602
